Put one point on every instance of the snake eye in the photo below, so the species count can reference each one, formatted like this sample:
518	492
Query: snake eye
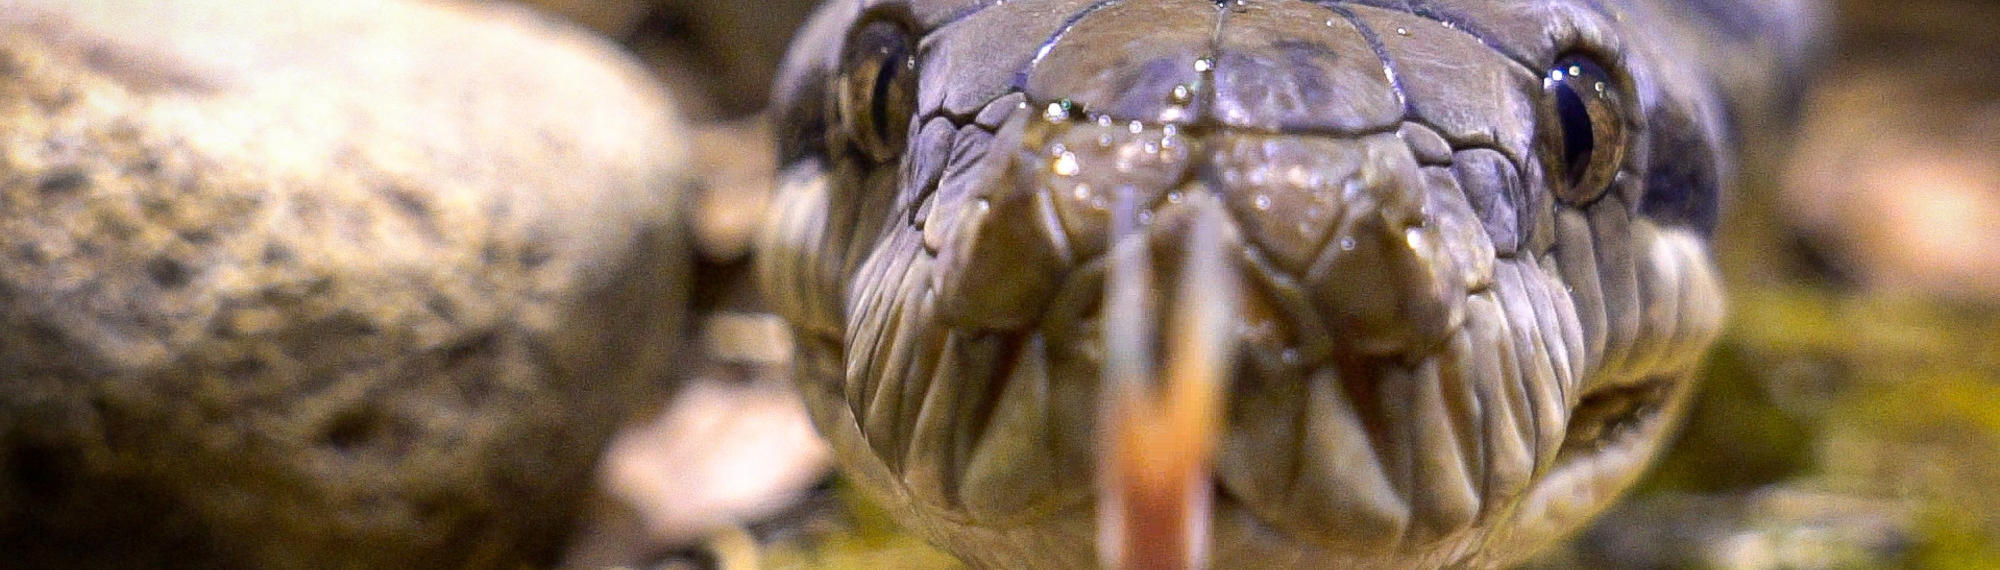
878	90
1589	127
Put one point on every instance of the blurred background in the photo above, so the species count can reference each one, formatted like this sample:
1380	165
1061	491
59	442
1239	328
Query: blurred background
1851	417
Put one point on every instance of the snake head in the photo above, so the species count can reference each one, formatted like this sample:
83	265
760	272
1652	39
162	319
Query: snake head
1468	244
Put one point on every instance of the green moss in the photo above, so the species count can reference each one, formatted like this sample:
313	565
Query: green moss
1736	437
867	539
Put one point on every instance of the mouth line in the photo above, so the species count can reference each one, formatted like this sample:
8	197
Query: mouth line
1614	418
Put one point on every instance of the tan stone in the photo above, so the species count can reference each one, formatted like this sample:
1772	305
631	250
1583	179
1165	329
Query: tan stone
320	284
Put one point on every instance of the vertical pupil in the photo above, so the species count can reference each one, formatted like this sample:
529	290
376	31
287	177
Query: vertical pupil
1578	140
885	82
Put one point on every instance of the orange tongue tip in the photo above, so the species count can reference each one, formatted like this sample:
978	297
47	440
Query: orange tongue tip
1160	465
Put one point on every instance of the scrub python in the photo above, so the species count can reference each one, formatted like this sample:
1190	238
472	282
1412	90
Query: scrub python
1467	241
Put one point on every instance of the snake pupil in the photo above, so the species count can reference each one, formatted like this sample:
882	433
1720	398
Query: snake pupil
1578	141
1588	133
877	94
885	84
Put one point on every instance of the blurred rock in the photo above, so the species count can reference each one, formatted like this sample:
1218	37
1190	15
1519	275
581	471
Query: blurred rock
613	18
310	284
1896	181
736	165
1773	528
735	448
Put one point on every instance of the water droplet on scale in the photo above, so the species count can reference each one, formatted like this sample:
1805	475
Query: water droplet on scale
1066	165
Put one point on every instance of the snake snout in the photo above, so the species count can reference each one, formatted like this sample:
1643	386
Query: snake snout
1352	256
1355	240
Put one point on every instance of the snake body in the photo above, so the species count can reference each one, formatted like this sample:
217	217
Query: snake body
1472	240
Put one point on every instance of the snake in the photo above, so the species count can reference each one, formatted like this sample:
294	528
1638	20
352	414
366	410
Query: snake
1471	244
